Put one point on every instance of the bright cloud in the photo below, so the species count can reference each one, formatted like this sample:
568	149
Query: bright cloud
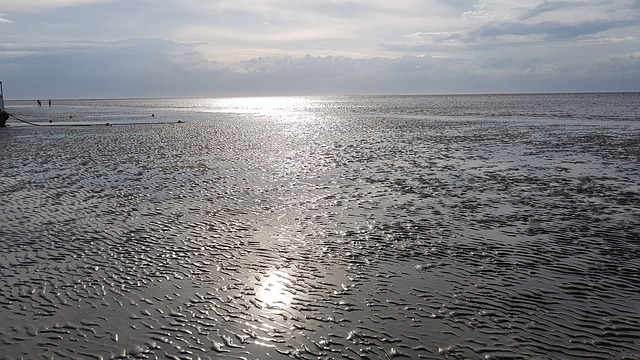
44	5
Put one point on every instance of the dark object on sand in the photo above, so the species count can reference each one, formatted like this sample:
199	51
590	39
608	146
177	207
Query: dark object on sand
4	116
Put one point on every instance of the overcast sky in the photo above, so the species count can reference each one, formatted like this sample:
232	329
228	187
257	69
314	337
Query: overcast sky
185	48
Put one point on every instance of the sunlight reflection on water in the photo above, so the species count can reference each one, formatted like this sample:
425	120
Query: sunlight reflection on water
284	108
273	290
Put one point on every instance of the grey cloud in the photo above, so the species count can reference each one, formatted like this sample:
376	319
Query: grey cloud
547	21
548	30
546	6
507	34
158	68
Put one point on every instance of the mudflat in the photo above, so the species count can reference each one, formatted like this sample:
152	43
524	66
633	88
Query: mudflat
346	234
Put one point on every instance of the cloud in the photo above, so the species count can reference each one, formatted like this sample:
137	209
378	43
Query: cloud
208	48
236	30
30	6
546	7
547	30
495	24
161	68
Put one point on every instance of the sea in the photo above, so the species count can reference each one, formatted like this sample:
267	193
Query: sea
348	227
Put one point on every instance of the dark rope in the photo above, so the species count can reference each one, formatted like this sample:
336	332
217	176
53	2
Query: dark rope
24	121
81	124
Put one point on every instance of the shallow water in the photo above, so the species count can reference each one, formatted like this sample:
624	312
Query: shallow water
347	232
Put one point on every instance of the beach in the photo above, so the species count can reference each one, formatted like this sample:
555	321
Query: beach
321	228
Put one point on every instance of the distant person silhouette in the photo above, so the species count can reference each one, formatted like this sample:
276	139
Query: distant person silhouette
49	102
39	103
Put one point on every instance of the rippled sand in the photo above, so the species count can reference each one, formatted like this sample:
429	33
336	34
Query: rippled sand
354	238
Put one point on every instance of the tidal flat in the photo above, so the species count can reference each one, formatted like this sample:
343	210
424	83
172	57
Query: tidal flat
342	235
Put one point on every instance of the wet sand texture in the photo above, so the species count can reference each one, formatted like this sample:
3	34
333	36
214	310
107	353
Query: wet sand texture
354	238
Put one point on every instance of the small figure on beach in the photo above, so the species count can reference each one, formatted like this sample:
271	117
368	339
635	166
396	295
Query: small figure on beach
49	102
39	103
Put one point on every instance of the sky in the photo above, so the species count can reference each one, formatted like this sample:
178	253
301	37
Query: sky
197	48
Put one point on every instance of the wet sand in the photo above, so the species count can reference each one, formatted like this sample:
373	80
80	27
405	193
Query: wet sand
350	238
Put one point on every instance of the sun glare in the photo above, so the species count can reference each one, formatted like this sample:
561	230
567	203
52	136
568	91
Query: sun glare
283	108
273	291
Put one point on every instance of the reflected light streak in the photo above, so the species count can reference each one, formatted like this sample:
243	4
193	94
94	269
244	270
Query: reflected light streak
273	291
285	108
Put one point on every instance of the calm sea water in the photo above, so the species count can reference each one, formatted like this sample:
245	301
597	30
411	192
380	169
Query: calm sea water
467	226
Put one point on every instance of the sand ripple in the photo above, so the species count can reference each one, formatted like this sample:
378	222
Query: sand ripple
355	238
